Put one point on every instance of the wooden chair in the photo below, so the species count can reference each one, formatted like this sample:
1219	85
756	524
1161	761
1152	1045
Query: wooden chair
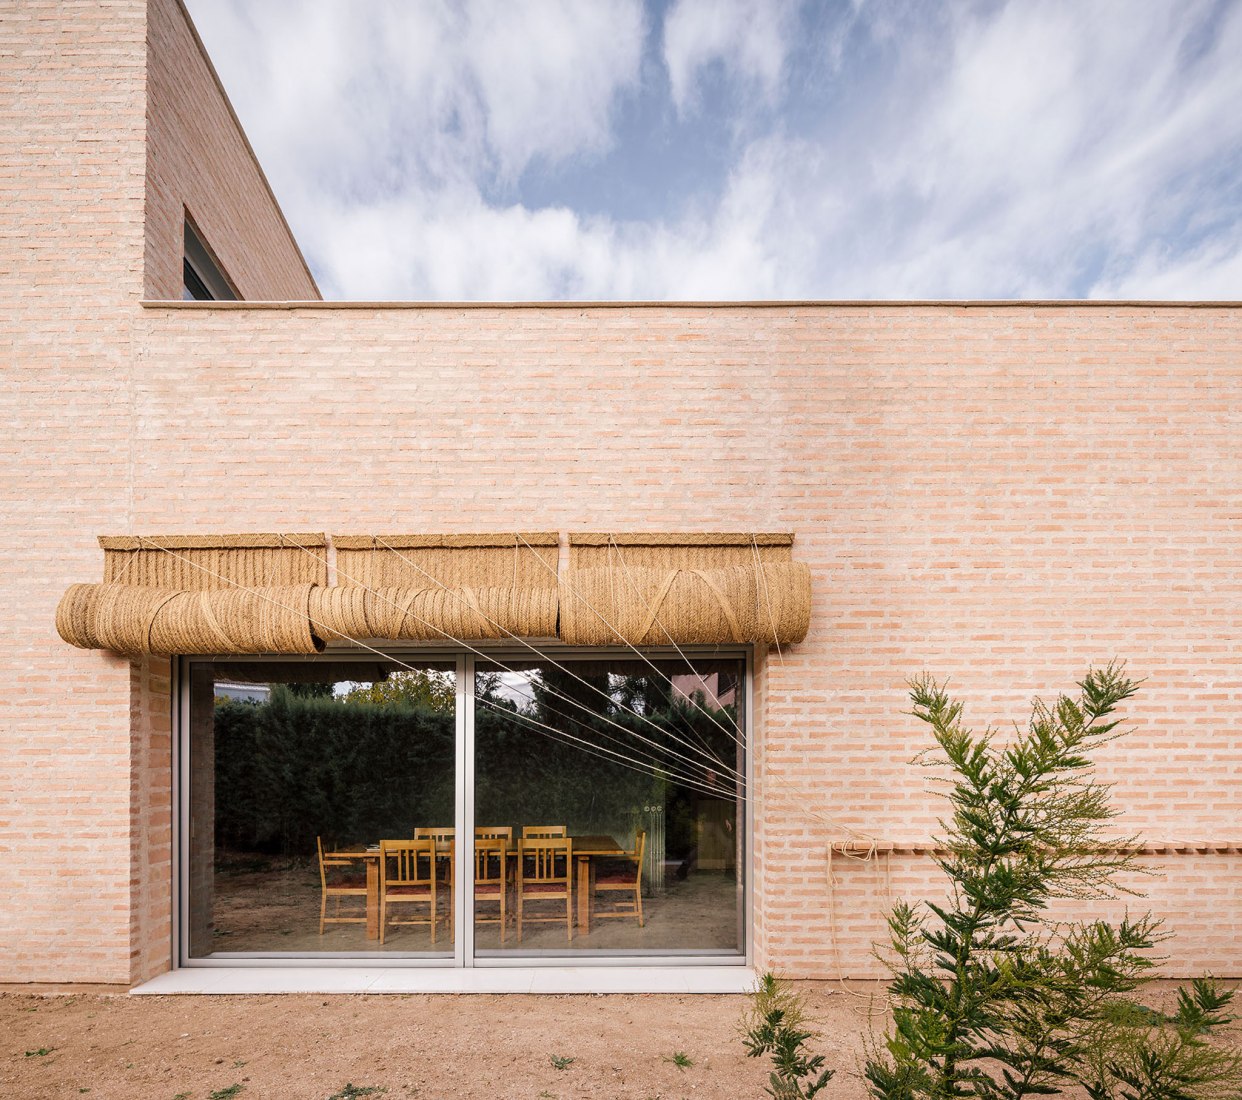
543	830
491	880
408	877
545	868
440	836
625	876
494	832
348	879
444	838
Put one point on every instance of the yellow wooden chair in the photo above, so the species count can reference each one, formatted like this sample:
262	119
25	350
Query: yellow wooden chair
542	831
545	873
407	878
339	877
491	880
444	838
624	876
494	832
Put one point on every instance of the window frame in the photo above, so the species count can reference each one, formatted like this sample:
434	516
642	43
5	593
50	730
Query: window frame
463	957
199	265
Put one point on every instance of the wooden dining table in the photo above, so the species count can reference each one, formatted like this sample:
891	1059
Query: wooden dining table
585	849
371	857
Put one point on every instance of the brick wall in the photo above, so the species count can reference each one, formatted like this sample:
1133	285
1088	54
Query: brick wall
998	494
84	825
71	146
199	160
1001	495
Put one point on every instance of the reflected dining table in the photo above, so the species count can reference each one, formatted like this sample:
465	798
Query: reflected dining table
585	848
371	857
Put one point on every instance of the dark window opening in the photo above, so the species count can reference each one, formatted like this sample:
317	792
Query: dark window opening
202	278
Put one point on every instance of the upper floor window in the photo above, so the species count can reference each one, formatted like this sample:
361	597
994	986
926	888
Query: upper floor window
203	280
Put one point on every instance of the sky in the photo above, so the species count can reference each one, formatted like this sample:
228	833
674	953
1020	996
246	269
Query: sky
747	149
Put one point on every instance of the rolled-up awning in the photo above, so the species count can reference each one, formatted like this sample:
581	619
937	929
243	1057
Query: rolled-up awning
135	619
238	595
683	589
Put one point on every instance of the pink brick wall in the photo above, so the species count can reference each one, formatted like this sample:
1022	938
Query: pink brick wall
84	825
71	187
199	160
999	494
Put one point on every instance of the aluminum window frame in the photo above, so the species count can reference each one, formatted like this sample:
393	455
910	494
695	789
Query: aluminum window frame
463	956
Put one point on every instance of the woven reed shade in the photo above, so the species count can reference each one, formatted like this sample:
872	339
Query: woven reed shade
235	595
695	588
677	551
133	620
194	563
434	614
508	560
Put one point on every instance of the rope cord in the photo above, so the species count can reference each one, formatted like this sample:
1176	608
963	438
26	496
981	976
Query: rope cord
642	765
596	750
629	645
612	543
758	796
716	763
761	578
529	693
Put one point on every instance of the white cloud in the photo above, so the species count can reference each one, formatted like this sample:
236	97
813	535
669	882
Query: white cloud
382	96
1040	148
751	39
1211	272
549	72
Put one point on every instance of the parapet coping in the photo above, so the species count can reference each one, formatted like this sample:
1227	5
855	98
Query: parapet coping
790	303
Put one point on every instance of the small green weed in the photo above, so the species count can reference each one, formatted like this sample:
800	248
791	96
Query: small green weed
226	1094
42	1052
774	1024
681	1060
561	1063
352	1092
182	1096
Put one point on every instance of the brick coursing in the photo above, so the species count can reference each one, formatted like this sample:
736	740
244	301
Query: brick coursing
1000	495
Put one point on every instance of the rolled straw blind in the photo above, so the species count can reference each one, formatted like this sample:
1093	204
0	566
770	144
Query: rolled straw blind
235	595
434	614
443	587
695	550
689	589
513	560
135	619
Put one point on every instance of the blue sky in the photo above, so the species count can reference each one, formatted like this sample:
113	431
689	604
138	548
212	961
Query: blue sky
747	149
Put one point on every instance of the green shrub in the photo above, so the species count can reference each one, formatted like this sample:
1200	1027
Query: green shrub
992	998
774	1024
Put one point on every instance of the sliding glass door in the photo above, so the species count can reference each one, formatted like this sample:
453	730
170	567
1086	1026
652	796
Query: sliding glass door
483	809
298	773
619	787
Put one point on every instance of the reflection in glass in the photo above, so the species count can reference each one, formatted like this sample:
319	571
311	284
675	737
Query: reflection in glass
298	772
620	784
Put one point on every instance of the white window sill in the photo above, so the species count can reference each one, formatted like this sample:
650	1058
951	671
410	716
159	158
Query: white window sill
559	979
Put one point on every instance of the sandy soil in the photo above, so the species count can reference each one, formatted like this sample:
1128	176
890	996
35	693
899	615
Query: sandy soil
117	1047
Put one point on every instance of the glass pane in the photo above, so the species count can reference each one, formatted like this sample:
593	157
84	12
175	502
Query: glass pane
613	793
299	772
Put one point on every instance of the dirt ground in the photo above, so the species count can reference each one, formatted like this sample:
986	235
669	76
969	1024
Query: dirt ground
110	1046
